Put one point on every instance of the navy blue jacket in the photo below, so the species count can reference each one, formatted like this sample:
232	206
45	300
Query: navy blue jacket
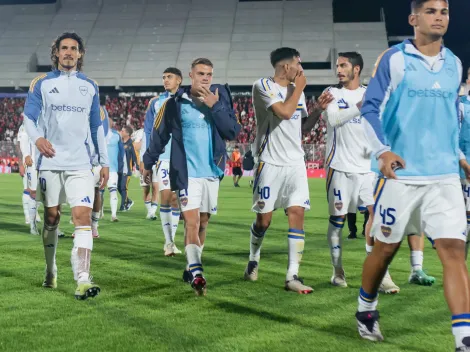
168	124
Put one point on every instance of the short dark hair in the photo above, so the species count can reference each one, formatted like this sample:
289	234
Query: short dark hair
281	54
174	71
128	129
417	4
56	44
202	61
236	147
102	99
354	58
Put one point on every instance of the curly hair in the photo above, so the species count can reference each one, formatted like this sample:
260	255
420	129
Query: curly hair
55	48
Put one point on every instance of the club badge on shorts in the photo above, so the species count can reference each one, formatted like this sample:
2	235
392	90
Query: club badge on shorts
339	205
261	204
165	182
184	201
386	231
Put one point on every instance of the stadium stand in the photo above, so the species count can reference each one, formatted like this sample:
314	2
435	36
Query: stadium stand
130	43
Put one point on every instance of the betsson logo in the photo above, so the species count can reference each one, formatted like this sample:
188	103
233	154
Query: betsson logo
67	108
431	93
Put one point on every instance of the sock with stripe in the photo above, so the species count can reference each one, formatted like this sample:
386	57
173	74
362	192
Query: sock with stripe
175	220
416	260
49	240
256	241
193	255
81	253
335	229
369	249
153	208
26	199
367	301
166	219
461	329
148	206
296	243
32	211
95	217
113	201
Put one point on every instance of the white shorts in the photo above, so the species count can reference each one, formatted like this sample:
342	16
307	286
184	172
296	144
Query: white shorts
96	174
436	209
347	191
113	180
163	171
466	192
280	187
32	178
74	187
25	181
154	177
202	194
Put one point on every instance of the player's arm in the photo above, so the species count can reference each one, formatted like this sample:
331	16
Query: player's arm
161	133
319	106
120	156
32	112
338	117
271	99
221	107
20	156
134	158
143	148
97	131
148	124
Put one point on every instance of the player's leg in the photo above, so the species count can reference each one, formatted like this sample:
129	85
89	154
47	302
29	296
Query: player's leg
175	219
113	198
239	176
32	185
395	204
266	188
147	197
79	189
418	276
123	188
466	195
444	220
25	200
234	177
295	199
51	194
157	174
166	218
352	218
129	202
102	203
339	194
95	214
366	214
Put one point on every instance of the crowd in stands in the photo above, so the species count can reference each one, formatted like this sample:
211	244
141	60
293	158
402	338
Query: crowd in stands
131	111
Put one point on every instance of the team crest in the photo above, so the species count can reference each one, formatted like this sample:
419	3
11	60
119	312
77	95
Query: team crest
261	204
386	231
339	205
165	182
184	201
83	90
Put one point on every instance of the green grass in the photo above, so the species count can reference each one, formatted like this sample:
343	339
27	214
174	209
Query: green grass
145	306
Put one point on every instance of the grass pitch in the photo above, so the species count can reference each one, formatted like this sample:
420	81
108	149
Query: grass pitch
145	306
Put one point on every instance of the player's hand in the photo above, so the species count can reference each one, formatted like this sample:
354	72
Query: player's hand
466	168
45	147
389	162
300	80
324	100
21	169
207	97
28	161
147	176
104	177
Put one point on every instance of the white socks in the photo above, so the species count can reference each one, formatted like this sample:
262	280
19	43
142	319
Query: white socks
32	212
49	239
166	219
416	260
193	255
175	220
113	201
296	243
148	206
335	229
26	199
256	240
95	217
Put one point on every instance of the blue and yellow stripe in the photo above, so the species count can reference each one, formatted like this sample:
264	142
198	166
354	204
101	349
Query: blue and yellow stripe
366	296
296	234
195	267
257	175
300	107
265	84
264	143
461	320
468	219
379	187
333	149
159	118
35	81
337	221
